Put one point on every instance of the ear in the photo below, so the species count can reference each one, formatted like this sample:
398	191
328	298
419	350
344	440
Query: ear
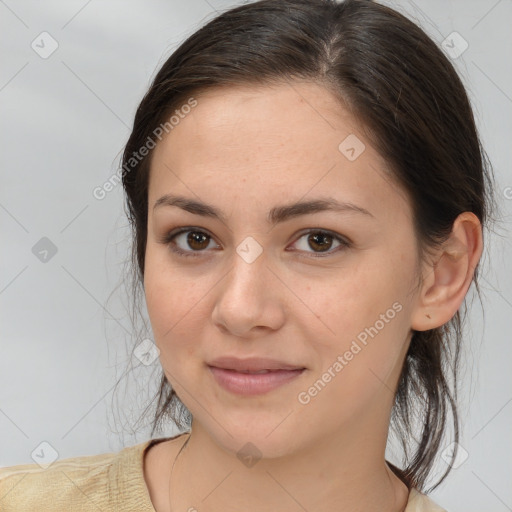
447	280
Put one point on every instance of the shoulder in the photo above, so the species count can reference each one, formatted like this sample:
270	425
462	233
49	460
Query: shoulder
419	502
66	481
92	482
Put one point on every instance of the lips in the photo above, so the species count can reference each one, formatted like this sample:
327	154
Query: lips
253	376
251	384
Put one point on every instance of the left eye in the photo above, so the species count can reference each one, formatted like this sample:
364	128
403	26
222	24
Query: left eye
322	241
199	241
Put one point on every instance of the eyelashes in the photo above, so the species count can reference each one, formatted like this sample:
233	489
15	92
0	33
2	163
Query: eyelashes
199	241
199	237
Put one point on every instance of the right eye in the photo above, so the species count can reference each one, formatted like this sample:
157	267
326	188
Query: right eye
180	241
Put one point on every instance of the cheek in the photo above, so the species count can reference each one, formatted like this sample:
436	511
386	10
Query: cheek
361	314
341	306
176	326
359	362
174	303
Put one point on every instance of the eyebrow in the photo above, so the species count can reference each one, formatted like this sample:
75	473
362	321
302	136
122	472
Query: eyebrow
276	215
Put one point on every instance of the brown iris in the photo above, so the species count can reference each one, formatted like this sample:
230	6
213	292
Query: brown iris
317	240
196	238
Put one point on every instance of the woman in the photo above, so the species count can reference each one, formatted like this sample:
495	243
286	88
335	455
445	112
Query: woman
307	194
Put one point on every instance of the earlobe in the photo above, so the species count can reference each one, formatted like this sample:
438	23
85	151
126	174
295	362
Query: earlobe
449	277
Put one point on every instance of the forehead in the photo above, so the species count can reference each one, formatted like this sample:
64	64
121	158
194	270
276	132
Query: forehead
267	121
264	142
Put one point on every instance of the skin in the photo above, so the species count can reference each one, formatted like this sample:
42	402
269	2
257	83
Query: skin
246	150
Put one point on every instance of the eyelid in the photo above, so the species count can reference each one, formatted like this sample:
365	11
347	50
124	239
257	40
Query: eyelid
168	239
344	242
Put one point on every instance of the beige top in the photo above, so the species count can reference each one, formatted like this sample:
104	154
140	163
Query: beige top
110	481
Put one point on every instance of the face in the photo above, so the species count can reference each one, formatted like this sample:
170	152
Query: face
327	290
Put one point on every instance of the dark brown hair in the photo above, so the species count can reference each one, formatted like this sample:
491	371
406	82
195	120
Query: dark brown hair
416	112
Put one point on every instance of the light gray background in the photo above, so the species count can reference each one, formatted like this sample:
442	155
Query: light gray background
64	121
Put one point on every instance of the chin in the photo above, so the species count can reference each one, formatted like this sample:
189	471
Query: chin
256	435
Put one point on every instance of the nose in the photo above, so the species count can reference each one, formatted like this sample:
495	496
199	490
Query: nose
250	299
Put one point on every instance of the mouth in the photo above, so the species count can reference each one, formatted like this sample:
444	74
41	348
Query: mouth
258	372
253	382
253	364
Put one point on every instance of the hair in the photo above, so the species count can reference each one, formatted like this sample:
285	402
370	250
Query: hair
415	112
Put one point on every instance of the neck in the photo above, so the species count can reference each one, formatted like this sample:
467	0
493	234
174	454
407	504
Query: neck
341	473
